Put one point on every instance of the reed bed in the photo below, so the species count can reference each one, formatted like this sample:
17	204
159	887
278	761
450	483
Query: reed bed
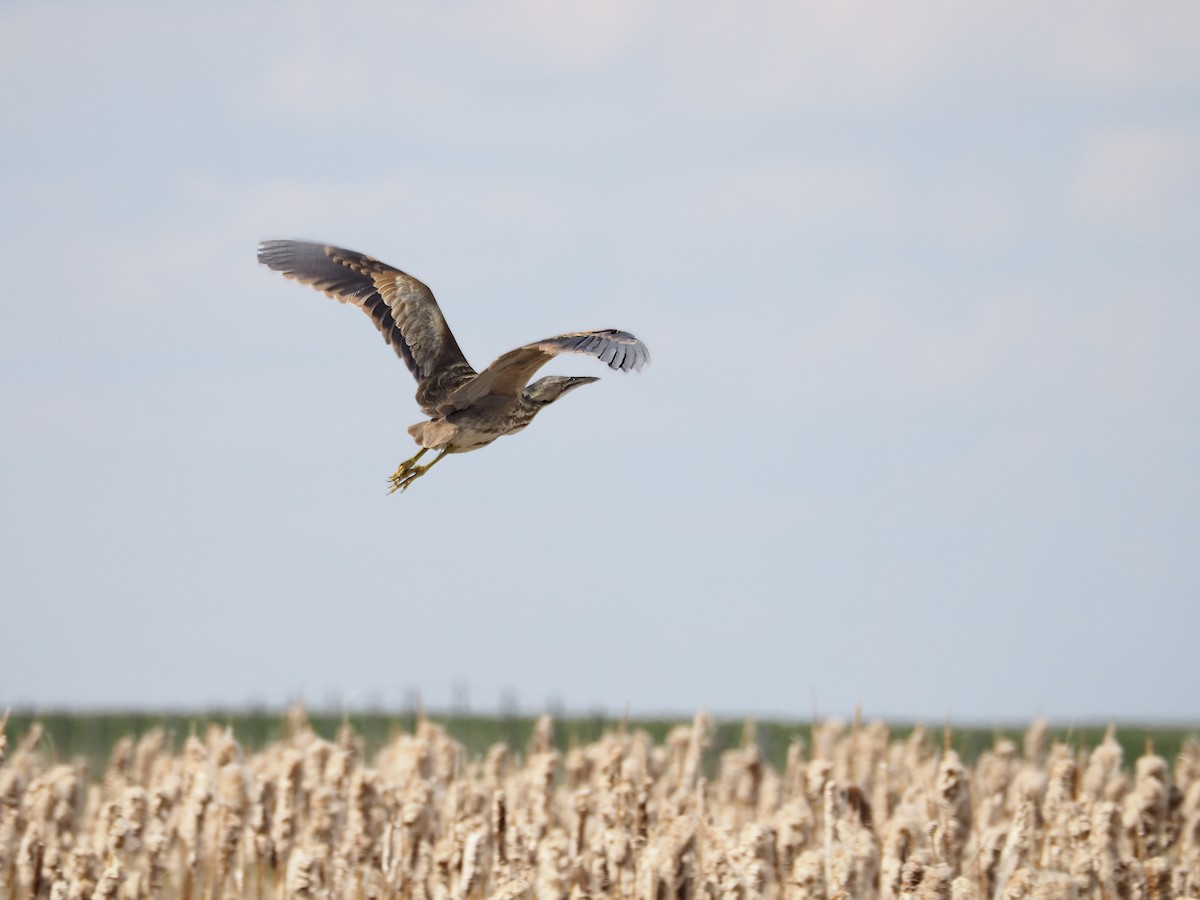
855	814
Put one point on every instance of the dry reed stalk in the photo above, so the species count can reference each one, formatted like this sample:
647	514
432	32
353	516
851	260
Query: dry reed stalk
963	888
110	881
621	817
301	875
1145	814
953	798
1059	810
30	856
1102	777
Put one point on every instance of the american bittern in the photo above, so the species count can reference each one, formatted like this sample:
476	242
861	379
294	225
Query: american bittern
467	409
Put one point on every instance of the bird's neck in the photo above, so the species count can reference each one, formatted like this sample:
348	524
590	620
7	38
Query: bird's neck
524	412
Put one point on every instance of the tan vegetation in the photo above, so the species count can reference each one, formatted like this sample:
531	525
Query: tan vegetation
855	815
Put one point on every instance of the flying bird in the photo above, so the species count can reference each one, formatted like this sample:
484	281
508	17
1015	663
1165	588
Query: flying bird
467	409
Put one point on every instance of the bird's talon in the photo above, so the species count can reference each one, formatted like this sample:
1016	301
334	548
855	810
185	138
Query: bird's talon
403	478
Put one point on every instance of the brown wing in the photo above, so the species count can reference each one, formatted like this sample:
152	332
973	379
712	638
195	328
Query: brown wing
402	308
509	374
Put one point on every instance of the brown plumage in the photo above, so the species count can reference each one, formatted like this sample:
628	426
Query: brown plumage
467	409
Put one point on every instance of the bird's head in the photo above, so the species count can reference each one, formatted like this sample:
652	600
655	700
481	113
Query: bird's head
546	390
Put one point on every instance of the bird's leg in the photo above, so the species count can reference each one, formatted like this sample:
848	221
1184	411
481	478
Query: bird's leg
408	464
408	473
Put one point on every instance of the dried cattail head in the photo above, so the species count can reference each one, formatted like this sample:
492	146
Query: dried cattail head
935	883
500	826
301	874
1128	880
1104	764
1150	766
307	817
808	875
1054	886
110	881
149	747
1035	740
912	873
542	738
30	856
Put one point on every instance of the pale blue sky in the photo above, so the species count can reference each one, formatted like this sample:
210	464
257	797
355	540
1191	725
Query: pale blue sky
921	283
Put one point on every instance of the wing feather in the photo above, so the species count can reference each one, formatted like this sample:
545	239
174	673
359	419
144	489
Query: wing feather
508	375
407	315
402	308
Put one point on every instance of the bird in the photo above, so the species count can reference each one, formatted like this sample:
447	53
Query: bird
467	409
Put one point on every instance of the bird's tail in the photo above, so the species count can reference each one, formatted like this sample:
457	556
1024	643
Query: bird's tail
434	434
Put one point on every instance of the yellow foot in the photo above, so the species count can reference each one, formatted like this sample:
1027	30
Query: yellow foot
406	476
409	471
405	467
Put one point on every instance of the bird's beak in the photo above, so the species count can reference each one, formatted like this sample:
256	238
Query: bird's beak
569	384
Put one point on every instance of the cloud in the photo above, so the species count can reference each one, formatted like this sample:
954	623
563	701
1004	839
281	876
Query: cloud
976	213
1138	343
570	35
1138	180
816	193
1035	346
874	344
1124	46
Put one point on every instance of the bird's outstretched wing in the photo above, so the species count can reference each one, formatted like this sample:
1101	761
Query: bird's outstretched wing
402	308
508	375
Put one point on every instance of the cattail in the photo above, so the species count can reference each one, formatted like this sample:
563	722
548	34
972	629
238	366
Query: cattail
912	873
900	839
868	817
155	845
1146	806
1058	810
10	830
697	742
1019	885
1054	886
963	888
1184	883
1189	813
301	874
120	766
793	777
110	881
1019	847
1129	881
991	851
1103	767
472	855
808	876
500	827
360	831
146	754
228	836
1157	872
287	800
30	855
935	883
553	866
514	889
1035	741
80	872
954	810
